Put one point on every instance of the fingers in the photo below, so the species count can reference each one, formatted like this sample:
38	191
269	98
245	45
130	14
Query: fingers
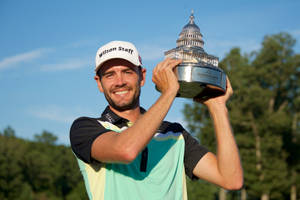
210	98
167	64
229	90
164	76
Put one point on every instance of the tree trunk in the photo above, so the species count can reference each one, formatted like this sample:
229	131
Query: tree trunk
294	127
265	196
222	194
257	146
243	194
293	192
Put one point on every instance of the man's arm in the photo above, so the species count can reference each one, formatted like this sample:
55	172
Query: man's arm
124	147
223	169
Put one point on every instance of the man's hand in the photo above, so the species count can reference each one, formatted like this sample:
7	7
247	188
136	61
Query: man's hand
164	77
219	100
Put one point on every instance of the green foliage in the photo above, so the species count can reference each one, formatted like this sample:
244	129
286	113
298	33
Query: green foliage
9	132
78	193
264	113
201	190
38	170
11	177
46	137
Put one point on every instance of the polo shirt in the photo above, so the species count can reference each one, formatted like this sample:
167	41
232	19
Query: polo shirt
158	172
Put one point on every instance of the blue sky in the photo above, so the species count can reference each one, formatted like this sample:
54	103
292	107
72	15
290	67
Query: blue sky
48	50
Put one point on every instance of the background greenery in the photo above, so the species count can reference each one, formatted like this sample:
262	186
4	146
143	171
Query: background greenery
264	113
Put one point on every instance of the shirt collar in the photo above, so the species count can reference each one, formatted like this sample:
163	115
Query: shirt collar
113	118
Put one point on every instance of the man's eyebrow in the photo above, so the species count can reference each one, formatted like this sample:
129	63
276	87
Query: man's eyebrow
107	72
129	69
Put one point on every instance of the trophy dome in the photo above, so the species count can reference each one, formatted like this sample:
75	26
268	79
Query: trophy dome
190	46
190	35
191	26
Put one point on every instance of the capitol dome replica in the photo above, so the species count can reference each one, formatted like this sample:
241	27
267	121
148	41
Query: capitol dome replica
190	46
198	75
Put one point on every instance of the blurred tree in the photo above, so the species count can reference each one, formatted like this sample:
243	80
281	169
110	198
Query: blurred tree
37	170
46	137
26	193
9	132
201	190
78	193
277	69
68	171
11	177
38	166
264	115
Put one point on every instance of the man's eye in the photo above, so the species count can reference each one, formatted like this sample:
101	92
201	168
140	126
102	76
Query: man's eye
108	75
128	72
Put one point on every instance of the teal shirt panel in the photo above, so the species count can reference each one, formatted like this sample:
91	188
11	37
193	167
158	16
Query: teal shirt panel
162	180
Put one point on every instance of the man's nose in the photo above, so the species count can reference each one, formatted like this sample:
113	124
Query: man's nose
120	80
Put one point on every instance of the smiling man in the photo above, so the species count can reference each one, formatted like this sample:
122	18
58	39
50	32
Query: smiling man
131	153
119	82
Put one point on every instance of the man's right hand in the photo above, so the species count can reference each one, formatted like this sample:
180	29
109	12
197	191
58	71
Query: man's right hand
164	77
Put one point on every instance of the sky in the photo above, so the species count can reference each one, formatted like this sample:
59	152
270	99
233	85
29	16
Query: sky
48	49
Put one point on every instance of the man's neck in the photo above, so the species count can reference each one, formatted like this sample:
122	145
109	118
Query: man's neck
132	115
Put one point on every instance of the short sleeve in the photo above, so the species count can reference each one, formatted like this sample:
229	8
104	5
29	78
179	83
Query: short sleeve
83	132
193	153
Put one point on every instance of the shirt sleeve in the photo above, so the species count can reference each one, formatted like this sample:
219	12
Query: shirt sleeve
83	132
193	153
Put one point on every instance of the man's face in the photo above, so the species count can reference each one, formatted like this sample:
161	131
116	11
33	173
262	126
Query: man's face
120	81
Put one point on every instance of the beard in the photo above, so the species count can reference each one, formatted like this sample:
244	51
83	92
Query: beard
133	103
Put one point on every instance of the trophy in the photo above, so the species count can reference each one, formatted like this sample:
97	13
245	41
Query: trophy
198	75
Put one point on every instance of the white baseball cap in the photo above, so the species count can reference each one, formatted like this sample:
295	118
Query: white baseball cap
117	49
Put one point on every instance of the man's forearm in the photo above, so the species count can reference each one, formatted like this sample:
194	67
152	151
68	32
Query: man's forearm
228	158
139	135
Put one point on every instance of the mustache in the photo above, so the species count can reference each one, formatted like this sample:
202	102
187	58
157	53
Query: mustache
118	87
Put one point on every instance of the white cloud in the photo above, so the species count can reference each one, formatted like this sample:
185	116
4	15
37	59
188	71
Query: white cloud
53	113
67	65
58	113
61	116
295	33
13	61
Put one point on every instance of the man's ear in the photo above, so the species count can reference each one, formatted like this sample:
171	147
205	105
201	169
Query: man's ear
99	84
143	76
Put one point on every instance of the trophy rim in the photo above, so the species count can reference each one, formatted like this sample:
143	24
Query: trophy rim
185	73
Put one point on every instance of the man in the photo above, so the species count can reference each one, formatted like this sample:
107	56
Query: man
130	153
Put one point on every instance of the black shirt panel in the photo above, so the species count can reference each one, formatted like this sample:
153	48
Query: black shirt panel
193	153
84	131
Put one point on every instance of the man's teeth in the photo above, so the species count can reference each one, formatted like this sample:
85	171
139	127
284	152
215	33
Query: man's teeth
122	92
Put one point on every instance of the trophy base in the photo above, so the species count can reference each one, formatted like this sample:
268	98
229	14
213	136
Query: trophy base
200	81
198	90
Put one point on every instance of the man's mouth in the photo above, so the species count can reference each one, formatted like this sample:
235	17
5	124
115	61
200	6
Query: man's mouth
121	92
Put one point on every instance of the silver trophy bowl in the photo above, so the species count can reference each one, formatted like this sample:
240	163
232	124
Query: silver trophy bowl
200	81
